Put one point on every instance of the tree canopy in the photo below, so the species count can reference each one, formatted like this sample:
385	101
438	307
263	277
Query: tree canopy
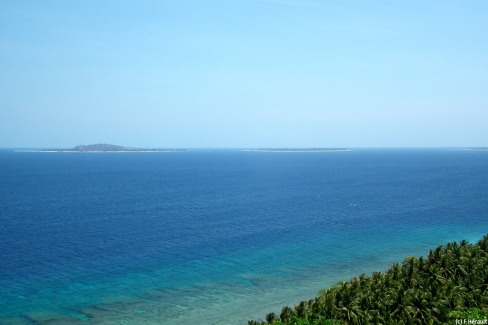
450	283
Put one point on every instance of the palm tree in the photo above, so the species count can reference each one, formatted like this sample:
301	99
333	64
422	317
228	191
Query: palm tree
452	279
270	318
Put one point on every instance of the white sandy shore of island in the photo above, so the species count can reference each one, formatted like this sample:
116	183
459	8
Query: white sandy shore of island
71	151
297	150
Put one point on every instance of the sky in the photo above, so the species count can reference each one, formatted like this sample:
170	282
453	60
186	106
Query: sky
243	73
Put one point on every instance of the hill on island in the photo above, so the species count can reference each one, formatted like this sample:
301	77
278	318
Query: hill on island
104	147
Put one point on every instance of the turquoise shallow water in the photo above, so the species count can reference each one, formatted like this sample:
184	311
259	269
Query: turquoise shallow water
218	237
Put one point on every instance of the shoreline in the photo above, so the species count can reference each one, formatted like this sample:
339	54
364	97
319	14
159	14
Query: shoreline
93	151
297	150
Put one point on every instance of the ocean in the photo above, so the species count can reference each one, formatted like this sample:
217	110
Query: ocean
218	236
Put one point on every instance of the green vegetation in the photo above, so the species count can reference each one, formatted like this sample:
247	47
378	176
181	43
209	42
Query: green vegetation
450	284
104	147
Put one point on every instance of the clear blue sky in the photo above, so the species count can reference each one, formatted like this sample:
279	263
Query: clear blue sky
244	73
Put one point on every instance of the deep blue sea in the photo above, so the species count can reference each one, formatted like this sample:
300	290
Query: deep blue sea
218	236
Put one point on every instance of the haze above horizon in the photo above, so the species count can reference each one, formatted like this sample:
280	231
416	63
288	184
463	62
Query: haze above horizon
244	74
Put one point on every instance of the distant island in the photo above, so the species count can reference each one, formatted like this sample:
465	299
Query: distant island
299	149
104	147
